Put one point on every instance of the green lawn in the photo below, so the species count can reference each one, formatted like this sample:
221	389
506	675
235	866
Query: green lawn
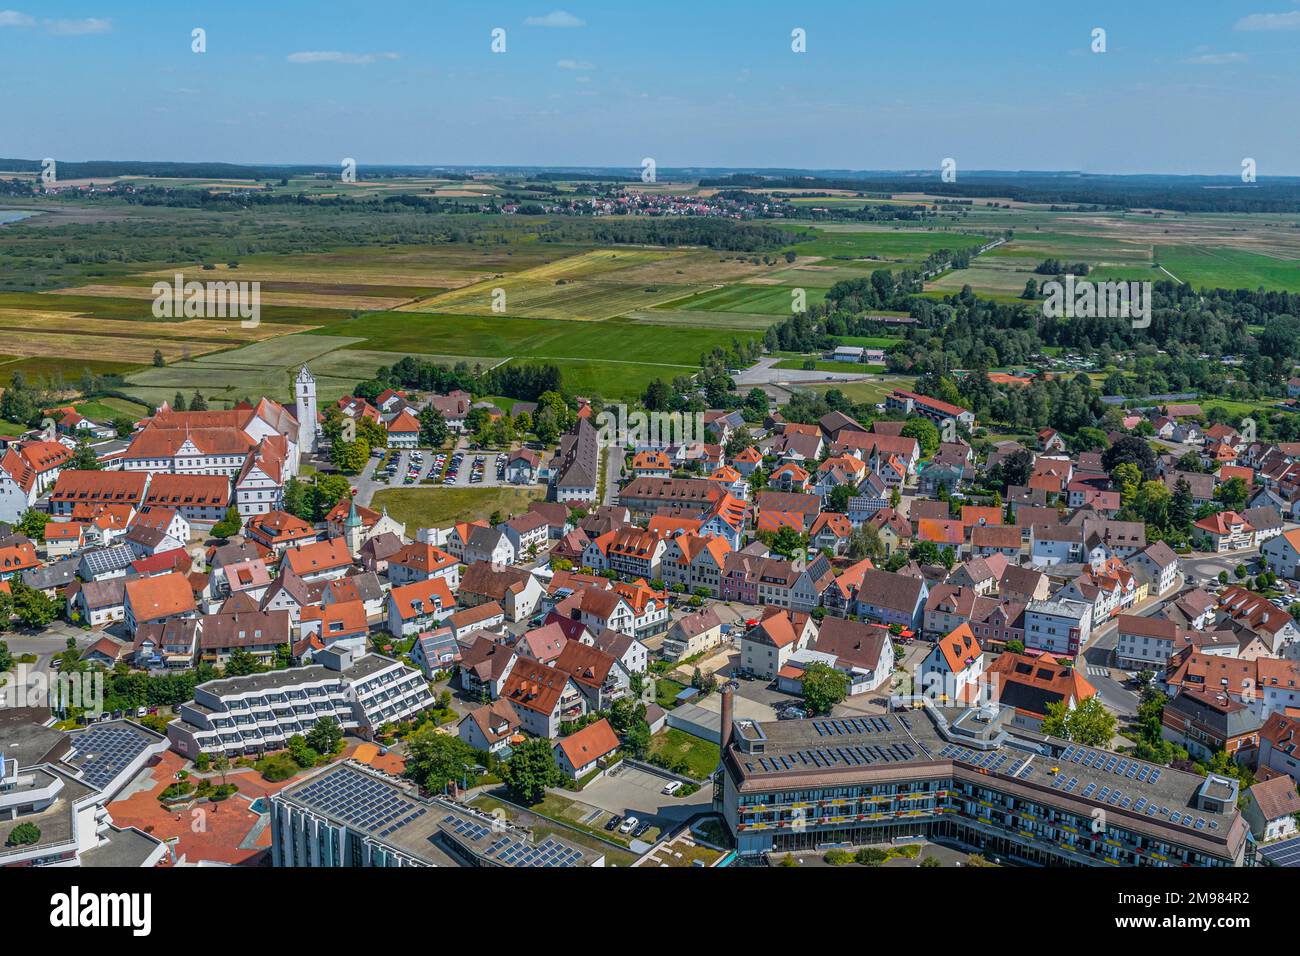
820	365
433	506
666	691
701	755
873	391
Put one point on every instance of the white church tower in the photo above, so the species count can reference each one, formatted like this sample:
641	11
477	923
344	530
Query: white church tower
305	399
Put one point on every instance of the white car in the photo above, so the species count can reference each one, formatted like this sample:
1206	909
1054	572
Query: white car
671	788
628	825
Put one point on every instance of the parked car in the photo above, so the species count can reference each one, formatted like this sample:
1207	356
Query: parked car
671	787
641	828
628	825
613	822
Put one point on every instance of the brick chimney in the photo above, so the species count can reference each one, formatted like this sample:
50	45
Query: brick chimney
725	729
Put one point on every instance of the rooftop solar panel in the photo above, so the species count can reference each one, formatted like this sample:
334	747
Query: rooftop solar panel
101	753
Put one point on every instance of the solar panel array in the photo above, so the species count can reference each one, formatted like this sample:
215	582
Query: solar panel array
470	829
1286	853
990	761
106	560
1111	763
853	725
857	755
1115	797
104	752
550	852
362	801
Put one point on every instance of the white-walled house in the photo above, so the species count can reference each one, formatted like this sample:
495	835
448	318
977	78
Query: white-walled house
951	673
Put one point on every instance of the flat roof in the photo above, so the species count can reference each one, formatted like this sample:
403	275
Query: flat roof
55	821
970	743
392	812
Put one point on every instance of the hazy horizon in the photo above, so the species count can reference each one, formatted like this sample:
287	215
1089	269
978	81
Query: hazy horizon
1191	90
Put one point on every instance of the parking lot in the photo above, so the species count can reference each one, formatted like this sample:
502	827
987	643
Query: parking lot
640	793
462	467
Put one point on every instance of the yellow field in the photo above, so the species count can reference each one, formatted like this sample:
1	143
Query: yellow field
69	335
596	285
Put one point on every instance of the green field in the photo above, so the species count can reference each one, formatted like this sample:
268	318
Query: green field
773	300
1221	267
437	507
823	365
890	244
872	391
106	409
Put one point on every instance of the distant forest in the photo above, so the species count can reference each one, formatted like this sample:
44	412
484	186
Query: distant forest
1177	193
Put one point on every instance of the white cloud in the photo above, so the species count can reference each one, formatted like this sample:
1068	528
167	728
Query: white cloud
73	28
575	65
337	56
13	18
557	18
1269	21
1216	59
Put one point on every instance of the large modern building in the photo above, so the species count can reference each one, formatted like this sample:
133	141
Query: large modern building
61	784
260	712
965	776
353	815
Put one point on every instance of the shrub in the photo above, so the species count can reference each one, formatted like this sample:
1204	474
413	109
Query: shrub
277	767
871	856
182	788
24	834
838	857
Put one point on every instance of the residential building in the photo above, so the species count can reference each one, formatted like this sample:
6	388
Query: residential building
260	712
1057	626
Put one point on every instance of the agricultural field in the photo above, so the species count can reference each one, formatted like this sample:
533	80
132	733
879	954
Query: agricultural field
591	286
867	241
1221	267
773	300
613	318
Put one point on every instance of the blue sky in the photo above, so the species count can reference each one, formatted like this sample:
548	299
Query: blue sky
1183	87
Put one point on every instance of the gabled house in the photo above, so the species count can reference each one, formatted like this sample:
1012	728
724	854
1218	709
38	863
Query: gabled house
419	606
951	673
543	697
583	752
766	647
